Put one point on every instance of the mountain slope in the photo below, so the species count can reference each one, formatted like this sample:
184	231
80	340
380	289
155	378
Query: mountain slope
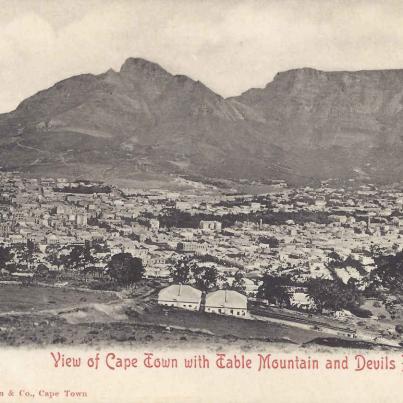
304	124
335	123
319	108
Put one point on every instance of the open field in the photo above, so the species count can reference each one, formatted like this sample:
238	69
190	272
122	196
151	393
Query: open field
228	327
42	316
46	315
50	329
17	298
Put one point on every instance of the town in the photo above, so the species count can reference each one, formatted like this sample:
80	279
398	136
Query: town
294	255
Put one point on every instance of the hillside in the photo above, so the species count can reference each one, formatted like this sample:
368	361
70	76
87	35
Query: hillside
142	119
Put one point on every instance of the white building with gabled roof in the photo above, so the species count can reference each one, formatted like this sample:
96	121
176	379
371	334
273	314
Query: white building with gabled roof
180	296
227	302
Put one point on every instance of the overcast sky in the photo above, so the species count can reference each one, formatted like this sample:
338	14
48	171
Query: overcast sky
229	45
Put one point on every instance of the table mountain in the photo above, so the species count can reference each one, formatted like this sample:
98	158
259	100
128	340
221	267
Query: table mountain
304	124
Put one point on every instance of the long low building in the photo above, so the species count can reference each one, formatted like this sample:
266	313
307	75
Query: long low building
223	302
226	302
180	296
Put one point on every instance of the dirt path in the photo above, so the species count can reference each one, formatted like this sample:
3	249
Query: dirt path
31	148
363	336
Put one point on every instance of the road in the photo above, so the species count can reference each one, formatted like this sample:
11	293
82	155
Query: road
323	328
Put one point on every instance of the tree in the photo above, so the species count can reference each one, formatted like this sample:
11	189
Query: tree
181	270
333	295
12	268
42	271
5	256
79	258
205	278
388	272
239	282
335	260
52	255
274	289
377	250
31	247
125	268
27	252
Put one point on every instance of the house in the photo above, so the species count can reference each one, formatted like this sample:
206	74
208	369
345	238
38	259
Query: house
197	248
210	226
226	302
180	296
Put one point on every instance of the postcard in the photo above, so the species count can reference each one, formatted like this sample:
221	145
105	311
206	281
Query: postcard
201	201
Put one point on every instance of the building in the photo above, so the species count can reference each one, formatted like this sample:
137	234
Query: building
197	248
210	226
182	205
5	229
227	302
152	224
180	296
81	220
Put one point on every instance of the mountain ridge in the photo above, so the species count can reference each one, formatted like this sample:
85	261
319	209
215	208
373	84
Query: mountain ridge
304	123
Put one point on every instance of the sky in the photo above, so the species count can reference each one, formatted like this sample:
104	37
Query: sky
229	45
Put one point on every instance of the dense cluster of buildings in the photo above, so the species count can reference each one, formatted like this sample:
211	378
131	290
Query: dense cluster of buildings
293	231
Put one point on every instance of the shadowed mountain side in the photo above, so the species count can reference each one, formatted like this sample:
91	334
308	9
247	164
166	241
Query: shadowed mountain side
304	124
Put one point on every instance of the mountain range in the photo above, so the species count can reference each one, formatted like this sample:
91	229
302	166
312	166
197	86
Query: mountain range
306	124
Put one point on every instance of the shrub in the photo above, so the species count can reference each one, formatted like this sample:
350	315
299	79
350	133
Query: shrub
360	312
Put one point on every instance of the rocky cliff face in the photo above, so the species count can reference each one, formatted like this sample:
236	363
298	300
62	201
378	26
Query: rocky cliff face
315	108
305	123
